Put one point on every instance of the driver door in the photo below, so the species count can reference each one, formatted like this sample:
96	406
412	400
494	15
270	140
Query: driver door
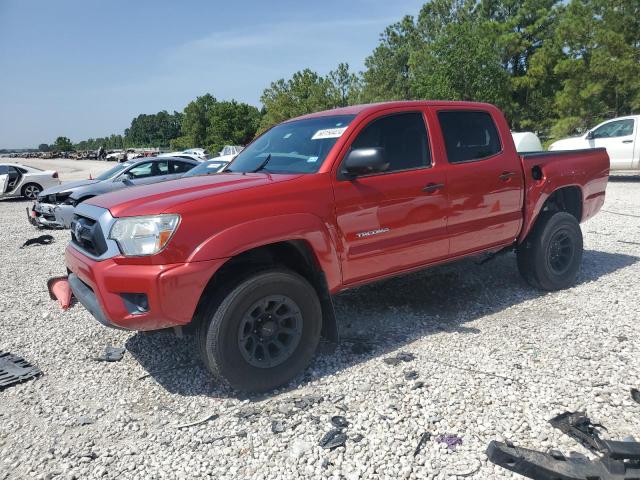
393	220
617	137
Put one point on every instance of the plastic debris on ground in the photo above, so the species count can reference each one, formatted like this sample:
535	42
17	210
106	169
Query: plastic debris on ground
400	357
424	438
451	441
60	290
14	369
38	241
333	439
111	354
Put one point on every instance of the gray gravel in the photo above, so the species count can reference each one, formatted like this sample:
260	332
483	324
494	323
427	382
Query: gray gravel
494	359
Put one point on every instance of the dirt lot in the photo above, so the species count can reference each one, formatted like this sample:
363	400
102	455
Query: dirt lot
494	359
68	169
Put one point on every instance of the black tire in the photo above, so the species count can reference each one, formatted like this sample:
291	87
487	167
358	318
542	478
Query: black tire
30	191
221	340
550	257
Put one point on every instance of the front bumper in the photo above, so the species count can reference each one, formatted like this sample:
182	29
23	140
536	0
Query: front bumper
51	215
173	291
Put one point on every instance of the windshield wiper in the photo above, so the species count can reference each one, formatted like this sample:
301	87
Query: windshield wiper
263	164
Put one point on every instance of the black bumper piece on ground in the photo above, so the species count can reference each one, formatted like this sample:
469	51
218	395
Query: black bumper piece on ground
88	300
14	369
555	466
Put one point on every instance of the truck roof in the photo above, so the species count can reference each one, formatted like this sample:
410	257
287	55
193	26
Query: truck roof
373	107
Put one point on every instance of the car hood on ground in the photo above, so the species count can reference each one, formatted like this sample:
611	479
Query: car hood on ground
67	187
161	197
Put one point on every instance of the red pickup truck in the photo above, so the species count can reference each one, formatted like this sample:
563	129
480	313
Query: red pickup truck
319	204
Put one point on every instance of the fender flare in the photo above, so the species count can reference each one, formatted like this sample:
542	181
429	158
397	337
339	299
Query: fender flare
260	232
540	198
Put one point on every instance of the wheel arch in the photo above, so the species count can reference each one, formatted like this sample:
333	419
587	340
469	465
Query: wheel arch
568	199
26	184
297	255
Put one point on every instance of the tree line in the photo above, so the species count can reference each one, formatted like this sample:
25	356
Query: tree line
554	67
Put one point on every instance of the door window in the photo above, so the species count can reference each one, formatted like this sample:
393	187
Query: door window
142	170
180	167
403	137
4	170
469	136
618	128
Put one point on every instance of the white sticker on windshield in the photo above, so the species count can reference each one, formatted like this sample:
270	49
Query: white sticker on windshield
328	133
312	159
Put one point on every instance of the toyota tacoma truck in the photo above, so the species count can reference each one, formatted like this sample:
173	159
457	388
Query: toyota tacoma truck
251	257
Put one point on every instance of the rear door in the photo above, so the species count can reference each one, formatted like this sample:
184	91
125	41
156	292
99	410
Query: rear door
484	179
394	220
618	137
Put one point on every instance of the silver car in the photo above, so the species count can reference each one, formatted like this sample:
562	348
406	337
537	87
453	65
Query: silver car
55	206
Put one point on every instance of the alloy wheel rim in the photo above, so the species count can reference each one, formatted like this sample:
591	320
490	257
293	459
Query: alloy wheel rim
270	331
560	252
32	192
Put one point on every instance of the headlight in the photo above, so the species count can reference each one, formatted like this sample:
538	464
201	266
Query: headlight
138	236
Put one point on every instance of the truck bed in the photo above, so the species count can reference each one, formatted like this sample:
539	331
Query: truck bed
545	172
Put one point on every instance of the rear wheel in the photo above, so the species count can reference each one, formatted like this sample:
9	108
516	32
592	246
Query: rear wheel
31	191
550	257
262	332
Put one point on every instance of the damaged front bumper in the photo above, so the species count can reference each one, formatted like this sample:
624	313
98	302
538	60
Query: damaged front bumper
138	297
49	215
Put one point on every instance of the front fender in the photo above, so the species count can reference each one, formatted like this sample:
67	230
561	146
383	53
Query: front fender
278	228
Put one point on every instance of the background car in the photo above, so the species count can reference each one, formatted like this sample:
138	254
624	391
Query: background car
620	136
22	181
207	168
55	206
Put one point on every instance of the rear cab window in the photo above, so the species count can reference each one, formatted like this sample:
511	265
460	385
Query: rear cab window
469	135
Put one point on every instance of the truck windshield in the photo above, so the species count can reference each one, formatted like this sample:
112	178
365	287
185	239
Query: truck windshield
292	147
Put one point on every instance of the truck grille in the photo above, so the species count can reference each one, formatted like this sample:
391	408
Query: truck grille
87	235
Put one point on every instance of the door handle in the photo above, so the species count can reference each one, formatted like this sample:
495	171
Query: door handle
506	176
627	141
433	187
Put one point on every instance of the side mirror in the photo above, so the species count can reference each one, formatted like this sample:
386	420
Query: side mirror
363	161
590	135
126	178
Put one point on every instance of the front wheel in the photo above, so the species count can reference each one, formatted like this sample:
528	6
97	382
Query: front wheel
263	332
550	257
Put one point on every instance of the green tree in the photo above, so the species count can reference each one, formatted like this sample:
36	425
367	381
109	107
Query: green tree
63	144
195	120
231	123
305	92
43	147
599	70
345	87
155	130
387	73
460	63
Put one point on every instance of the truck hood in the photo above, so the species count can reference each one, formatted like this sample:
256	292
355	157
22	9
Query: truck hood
167	196
67	187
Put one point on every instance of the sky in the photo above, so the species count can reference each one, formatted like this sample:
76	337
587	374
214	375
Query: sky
85	68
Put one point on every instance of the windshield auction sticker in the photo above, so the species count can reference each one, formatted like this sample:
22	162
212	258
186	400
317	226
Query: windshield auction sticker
328	133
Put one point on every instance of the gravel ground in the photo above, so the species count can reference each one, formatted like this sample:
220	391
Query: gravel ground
494	359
